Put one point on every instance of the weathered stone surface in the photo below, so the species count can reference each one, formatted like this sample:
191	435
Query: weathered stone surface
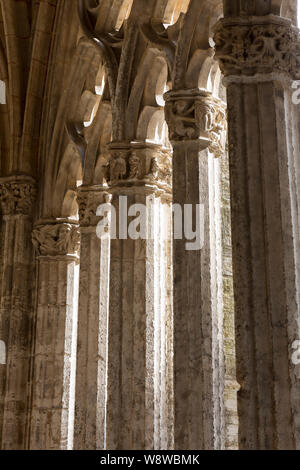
197	130
198	320
120	98
17	195
57	247
197	115
139	395
139	164
265	232
256	45
91	370
58	239
231	385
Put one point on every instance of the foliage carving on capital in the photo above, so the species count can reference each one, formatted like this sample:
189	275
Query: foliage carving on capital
257	45
17	197
59	239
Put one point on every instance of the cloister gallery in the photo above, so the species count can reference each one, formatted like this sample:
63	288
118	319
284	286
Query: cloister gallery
131	337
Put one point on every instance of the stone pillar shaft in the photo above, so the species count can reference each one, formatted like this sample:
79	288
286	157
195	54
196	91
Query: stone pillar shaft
257	56
139	396
52	406
196	122
17	195
231	385
91	381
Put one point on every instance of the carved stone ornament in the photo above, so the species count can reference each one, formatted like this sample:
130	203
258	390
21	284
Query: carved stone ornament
89	198
151	164
195	115
59	239
257	45
218	131
140	164
17	196
117	166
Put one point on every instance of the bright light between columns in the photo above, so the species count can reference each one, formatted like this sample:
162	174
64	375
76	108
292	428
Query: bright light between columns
2	92
2	353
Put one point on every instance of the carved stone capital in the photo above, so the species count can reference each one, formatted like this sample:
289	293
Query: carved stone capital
195	115
89	198
17	195
56	239
139	165
257	45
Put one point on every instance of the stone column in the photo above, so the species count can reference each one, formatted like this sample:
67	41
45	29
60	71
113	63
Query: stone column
17	195
196	123
91	376
52	408
139	398
259	56
230	385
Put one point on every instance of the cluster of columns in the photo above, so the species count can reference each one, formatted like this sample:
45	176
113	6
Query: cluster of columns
126	394
124	376
38	322
149	372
